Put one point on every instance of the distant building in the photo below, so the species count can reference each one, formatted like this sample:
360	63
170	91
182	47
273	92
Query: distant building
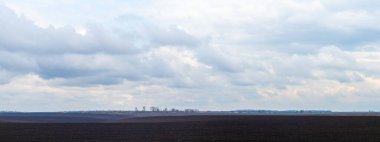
155	109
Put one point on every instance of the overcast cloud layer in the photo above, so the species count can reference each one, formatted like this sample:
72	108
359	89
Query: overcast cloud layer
211	55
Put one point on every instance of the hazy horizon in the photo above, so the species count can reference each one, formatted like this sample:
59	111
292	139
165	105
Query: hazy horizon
68	55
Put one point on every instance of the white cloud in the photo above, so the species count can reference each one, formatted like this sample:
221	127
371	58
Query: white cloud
213	54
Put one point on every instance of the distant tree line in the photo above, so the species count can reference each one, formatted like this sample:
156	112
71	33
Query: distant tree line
158	109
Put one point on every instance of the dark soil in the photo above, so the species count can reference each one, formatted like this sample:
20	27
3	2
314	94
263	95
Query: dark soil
201	128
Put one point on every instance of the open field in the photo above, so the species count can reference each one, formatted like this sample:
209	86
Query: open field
202	128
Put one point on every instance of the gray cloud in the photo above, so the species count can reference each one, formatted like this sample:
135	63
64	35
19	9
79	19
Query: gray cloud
257	54
102	56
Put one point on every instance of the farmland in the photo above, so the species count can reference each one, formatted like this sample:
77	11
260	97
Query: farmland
201	128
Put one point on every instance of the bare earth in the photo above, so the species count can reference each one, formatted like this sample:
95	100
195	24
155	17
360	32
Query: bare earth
201	128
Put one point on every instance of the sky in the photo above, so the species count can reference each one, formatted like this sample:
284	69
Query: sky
67	55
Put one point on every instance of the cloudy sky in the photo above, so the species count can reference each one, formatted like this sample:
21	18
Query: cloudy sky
213	55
